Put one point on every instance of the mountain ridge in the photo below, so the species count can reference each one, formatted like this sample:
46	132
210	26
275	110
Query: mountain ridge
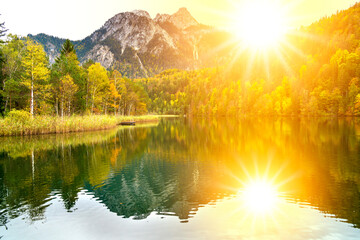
136	39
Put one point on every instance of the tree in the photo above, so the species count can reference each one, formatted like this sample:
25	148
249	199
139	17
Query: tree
2	63
3	30
118	89
352	98
67	91
36	72
67	48
136	99
281	97
67	64
97	81
2	81
13	53
253	91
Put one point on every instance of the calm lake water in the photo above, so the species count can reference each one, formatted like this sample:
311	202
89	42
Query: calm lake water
178	179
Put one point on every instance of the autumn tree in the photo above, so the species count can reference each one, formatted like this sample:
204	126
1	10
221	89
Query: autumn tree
118	89
68	90
353	92
282	98
36	72
98	81
136	99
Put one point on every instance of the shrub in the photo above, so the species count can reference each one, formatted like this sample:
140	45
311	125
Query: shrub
19	116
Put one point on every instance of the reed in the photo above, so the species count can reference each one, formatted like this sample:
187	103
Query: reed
20	123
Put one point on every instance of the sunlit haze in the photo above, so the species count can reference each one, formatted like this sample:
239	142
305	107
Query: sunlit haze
78	19
261	23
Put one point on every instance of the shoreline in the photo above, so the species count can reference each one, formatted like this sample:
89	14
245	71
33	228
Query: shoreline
42	125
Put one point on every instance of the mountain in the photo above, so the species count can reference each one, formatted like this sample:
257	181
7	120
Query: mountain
181	19
167	41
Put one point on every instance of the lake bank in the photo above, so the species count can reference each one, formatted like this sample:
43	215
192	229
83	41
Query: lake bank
17	125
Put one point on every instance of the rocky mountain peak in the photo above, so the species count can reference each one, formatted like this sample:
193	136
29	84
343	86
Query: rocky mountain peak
181	19
183	11
141	13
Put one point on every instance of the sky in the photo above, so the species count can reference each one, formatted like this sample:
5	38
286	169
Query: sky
76	19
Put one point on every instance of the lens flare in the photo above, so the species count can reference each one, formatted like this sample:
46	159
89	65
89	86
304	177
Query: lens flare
260	24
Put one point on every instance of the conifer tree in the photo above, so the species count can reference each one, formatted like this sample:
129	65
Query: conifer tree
67	48
68	64
2	63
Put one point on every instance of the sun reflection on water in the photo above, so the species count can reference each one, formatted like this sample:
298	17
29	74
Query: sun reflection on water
259	197
259	204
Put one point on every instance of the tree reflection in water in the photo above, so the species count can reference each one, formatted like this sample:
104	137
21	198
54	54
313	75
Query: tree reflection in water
177	166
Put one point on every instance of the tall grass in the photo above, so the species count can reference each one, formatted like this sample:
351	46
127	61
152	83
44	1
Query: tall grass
19	123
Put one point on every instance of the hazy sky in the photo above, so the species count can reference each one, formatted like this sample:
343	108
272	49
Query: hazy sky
76	19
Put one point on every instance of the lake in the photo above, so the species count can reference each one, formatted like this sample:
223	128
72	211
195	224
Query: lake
251	178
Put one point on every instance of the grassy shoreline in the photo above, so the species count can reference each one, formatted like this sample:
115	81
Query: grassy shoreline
17	126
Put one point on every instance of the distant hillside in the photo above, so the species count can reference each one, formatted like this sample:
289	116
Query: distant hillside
326	36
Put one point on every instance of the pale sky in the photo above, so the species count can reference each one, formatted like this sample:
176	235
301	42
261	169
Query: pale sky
76	19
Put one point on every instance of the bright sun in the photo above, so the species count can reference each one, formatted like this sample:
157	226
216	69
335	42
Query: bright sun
261	23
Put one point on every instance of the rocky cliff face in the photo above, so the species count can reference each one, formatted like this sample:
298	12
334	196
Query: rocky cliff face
167	41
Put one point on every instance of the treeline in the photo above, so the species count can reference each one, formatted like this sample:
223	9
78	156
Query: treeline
212	92
66	87
30	83
315	72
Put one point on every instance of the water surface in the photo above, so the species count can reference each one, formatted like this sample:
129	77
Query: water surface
178	179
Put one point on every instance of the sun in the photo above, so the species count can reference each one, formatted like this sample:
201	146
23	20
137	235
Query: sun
260	24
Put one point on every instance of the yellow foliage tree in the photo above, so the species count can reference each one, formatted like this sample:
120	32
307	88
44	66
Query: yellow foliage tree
68	90
36	72
98	81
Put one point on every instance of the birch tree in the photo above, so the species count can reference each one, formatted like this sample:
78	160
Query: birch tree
36	72
98	80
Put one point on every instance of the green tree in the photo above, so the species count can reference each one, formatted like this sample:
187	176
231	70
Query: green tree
67	48
68	64
3	30
12	88
2	63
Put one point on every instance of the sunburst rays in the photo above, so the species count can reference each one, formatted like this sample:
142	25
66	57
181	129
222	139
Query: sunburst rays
259	186
246	56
